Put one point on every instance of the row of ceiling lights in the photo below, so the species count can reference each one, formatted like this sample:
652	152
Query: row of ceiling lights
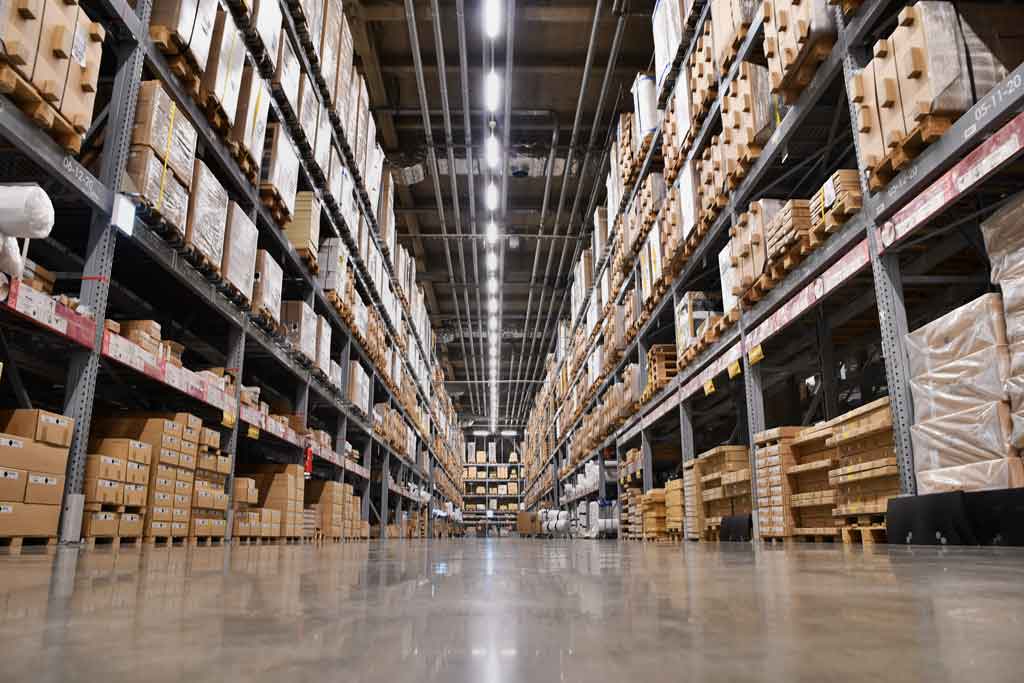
492	157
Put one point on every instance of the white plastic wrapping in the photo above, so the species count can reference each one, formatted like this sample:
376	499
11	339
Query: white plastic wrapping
250	127
730	279
150	178
358	387
1003	473
266	294
1004	240
964	383
240	239
11	261
961	332
163	127
222	78
281	165
974	435
301	323
207	214
666	22
645	107
266	14
333	261
1013	304
25	211
323	344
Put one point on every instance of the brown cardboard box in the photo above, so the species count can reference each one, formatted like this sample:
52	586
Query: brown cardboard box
23	519
12	484
137	427
100	524
127	449
136	473
222	77
224	464
163	499
163	471
183	474
130	525
164	129
159	513
209	437
22	24
206	462
83	73
181	514
179	529
104	491
44	489
105	467
157	528
168	456
56	38
135	495
186	461
189	447
183	488
43	426
266	296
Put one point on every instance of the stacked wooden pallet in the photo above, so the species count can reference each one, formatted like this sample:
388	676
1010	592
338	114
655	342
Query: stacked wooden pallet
839	199
748	249
713	465
772	456
812	497
750	114
634	496
730	21
693	507
736	490
661	369
674	508
713	194
703	78
798	36
787	238
653	503
867	476
629	161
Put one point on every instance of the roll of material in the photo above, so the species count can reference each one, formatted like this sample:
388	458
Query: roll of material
11	261
25	211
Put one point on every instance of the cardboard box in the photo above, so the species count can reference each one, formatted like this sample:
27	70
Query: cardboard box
12	484
301	323
266	296
126	449
206	462
104	491
179	529
157	528
135	494
224	464
22	25
130	525
167	456
136	473
25	454
222	78
186	462
250	126
207	215
280	166
44	489
137	427
144	177
43	426
163	128
100	524
105	467
190	21
83	69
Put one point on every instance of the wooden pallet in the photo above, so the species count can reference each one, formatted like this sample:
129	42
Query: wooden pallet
271	198
115	542
165	541
202	263
15	544
180	59
205	541
864	530
215	113
928	130
309	257
36	107
264	319
247	163
235	295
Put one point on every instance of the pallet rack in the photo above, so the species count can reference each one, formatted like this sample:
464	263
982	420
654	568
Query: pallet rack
125	266
857	290
504	448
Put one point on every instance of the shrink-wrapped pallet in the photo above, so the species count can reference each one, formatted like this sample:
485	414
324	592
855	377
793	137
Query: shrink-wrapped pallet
324	139
750	110
972	435
961	332
323	344
730	279
336	180
333	262
793	30
147	176
189	24
280	167
238	266
207	214
332	16
354	105
163	127
358	389
251	119
303	231
300	322
309	108
287	71
693	310
346	55
266	295
222	80
266	15
1004	240
1003	473
666	22
645	108
964	383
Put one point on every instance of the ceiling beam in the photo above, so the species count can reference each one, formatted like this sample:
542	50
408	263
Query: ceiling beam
536	70
535	12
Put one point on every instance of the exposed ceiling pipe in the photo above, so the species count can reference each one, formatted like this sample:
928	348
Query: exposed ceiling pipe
449	144
510	23
470	179
613	56
414	41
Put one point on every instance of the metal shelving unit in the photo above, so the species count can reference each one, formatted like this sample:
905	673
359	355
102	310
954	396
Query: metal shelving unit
864	267
99	367
504	447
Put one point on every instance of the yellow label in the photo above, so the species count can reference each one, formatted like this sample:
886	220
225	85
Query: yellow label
709	387
252	432
755	355
734	369
228	419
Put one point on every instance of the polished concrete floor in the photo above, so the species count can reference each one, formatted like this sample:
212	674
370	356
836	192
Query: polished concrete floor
513	610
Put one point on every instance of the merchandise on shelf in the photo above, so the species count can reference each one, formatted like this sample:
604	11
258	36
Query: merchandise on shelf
250	129
161	126
184	28
33	459
301	324
222	79
207	216
266	295
238	265
287	71
798	34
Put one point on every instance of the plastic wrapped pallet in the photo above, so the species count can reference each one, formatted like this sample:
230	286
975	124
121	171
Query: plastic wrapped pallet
207	214
78	97
1003	473
324	139
323	344
729	20
668	32
973	435
354	104
147	176
332	16
645	107
240	238
358	387
280	166
346	55
266	15
300	321
730	278
222	80
163	127
750	109
1004	240
961	332
266	295
790	28
312	12
303	231
961	384
287	72
251	119
336	175
190	22
693	309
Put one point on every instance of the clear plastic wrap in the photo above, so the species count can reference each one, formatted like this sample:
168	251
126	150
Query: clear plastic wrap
266	293
281	165
346	55
961	332
332	14
11	261
207	215
666	22
645	107
1004	240
730	279
358	387
333	262
250	128
324	138
163	127
323	344
964	383
980	433
1004	473
191	21
240	238
266	15
222	79
147	177
288	72
300	321
25	211
309	107
1013	304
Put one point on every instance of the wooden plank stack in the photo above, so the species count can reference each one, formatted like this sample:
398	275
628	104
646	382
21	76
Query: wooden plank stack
787	238
749	251
730	20
736	490
711	184
674	508
750	114
653	504
693	507
798	36
867	476
703	78
772	456
661	369
629	163
713	465
635	521
838	200
812	497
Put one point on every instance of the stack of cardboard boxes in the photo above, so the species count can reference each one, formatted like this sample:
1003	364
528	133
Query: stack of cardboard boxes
116	488
282	489
33	458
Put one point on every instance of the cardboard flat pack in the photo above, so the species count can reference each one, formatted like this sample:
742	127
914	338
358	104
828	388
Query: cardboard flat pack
136	473
222	79
207	215
21	453
45	427
104	491
126	449
12	484
267	283
100	524
44	489
130	525
163	127
105	467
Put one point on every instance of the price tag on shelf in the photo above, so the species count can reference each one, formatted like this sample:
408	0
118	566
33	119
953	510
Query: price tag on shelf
735	369
756	355
709	387
252	432
228	419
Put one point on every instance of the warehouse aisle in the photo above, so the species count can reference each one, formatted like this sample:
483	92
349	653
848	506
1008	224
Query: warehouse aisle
511	610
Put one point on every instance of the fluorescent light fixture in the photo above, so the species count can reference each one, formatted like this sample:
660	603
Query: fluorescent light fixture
492	152
492	261
492	305
492	18
491	196
492	284
480	432
509	432
492	90
492	232
492	324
